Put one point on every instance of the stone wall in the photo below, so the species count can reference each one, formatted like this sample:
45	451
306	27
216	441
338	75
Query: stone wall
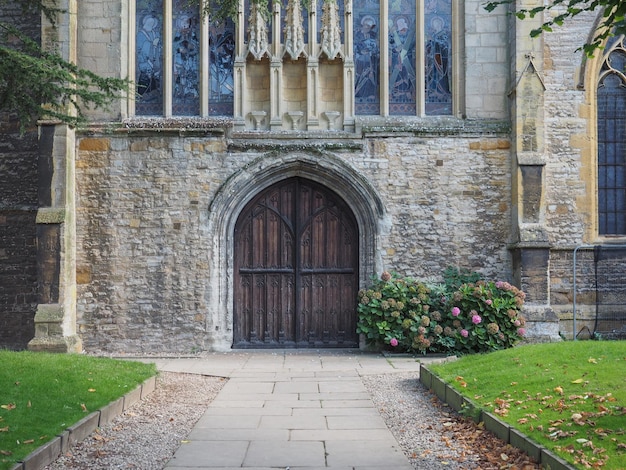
145	244
18	211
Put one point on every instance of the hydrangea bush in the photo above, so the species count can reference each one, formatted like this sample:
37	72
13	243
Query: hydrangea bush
456	317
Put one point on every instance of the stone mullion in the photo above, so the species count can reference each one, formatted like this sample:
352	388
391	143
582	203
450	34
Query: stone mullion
420	73
204	67
276	71
384	58
131	21
239	70
348	70
168	73
313	87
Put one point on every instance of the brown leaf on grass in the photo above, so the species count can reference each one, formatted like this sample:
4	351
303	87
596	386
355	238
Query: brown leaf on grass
29	441
83	407
9	406
91	390
6	452
5	429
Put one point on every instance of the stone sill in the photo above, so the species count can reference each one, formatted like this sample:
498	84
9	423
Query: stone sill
50	451
500	429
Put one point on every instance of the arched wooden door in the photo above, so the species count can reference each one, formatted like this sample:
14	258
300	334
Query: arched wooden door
296	269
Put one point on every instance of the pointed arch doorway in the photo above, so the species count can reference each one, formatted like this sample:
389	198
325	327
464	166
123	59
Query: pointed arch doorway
295	269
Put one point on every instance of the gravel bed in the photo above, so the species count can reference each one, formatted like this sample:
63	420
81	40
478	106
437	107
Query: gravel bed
147	434
423	429
431	435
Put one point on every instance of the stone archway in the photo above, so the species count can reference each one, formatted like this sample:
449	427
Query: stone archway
323	168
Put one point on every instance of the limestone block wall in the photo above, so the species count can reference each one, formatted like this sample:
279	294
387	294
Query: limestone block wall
145	246
331	84
570	143
484	76
102	46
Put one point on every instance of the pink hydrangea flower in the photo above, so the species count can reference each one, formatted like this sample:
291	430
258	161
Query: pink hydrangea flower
521	331
455	311
464	333
517	323
488	301
476	319
393	342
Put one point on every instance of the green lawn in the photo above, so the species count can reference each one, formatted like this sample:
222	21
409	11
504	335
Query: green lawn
569	397
43	394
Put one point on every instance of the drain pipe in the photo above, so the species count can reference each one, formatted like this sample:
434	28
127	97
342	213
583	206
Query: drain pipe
574	287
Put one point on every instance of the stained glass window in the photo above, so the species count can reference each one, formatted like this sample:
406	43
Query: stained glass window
611	101
149	57
438	46
367	56
401	44
418	63
186	55
221	60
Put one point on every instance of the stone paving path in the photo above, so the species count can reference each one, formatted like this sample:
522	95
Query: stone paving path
304	410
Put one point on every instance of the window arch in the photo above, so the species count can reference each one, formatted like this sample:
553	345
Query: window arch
611	128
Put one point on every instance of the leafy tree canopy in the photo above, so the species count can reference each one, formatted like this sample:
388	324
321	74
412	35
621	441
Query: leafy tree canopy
613	16
36	83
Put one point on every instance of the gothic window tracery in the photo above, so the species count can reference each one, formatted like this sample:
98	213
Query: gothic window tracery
395	59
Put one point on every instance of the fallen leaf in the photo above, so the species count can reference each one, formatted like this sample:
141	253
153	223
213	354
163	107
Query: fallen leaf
591	360
578	381
10	406
6	429
83	407
6	452
91	390
29	441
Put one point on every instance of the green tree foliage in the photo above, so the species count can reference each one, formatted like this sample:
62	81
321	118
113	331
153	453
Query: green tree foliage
612	23
39	84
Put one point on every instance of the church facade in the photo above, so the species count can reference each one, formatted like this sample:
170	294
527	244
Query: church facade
265	168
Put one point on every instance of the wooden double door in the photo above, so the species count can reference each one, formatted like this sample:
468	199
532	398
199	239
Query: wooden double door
295	269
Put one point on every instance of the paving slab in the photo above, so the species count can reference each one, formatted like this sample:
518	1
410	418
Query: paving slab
300	409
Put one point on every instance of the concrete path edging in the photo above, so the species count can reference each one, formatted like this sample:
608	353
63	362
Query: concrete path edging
499	428
51	450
